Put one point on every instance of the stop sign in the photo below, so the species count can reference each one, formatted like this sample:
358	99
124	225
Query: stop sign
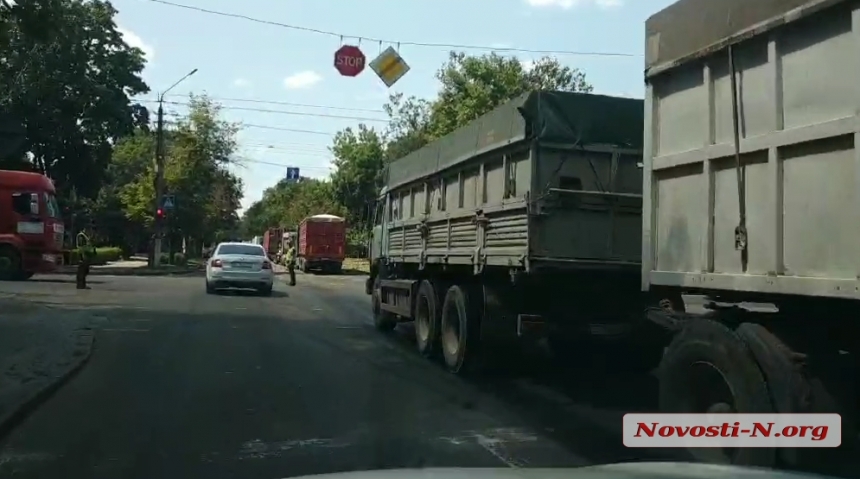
349	60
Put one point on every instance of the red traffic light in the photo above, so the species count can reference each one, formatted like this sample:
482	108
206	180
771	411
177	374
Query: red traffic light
159	212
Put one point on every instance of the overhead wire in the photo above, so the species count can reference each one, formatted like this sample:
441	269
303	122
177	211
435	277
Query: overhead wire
282	112
447	46
284	103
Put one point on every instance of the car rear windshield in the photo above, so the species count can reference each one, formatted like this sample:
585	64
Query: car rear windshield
247	250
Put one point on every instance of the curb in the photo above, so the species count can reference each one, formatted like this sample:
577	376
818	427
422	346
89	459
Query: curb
19	413
126	272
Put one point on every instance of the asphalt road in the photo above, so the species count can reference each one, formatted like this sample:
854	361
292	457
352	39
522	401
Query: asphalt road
186	385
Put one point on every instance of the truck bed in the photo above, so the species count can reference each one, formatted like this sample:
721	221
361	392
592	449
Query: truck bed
548	179
797	64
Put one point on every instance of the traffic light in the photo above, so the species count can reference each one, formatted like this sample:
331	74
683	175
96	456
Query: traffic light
159	213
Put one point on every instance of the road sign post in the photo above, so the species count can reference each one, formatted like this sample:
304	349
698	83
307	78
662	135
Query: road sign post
389	66
349	60
292	174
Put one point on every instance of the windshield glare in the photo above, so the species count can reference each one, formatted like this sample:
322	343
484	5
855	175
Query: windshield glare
52	209
240	249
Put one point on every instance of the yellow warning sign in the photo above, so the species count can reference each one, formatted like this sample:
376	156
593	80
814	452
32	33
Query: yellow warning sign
389	66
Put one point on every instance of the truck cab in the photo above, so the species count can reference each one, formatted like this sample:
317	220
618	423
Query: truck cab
376	249
31	225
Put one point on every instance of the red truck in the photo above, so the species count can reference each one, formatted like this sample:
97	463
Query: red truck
272	242
322	243
31	225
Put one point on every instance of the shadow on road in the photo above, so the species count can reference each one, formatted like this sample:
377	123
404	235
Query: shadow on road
250	292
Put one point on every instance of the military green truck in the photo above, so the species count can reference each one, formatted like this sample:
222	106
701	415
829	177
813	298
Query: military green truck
536	217
524	224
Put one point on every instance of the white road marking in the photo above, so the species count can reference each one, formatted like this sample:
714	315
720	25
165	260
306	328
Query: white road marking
14	457
126	330
494	441
257	449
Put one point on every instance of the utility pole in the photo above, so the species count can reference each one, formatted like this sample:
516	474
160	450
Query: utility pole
159	174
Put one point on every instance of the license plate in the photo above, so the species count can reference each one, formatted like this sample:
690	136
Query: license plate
241	265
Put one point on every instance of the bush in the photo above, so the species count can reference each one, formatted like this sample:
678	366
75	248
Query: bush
103	255
165	258
179	259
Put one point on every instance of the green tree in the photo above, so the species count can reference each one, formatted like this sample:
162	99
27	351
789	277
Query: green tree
68	76
359	161
472	86
199	148
286	204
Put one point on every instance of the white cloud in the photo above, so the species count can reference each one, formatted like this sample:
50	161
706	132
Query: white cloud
241	83
133	40
527	64
305	79
567	4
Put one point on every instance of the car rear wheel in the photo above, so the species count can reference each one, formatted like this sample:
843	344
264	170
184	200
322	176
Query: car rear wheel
209	288
266	290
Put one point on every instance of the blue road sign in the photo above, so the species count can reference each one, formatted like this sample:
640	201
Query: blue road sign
292	173
168	202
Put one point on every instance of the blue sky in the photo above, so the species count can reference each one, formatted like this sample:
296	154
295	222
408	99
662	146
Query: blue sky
243	60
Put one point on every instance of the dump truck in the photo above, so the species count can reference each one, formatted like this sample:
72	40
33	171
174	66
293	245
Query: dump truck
750	186
521	226
322	243
535	219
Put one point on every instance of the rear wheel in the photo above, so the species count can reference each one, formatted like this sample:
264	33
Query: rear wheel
266	290
709	369
10	264
427	318
459	330
209	288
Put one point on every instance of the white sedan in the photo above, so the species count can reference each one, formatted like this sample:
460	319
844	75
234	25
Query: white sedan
239	265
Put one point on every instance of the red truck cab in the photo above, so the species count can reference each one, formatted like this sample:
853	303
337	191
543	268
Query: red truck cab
322	243
31	225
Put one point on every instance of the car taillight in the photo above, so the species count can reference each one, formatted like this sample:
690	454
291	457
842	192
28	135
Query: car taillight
267	265
216	263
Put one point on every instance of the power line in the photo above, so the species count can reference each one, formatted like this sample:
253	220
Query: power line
269	127
282	165
447	46
282	112
285	103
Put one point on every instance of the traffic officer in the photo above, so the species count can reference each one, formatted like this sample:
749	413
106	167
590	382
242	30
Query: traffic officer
290	261
87	251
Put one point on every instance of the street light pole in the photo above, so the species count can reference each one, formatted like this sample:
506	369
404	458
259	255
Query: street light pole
159	172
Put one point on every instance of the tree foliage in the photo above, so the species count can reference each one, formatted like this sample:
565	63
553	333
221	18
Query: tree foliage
198	151
69	77
469	86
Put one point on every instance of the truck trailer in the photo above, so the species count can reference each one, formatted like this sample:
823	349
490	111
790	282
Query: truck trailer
322	243
523	225
535	217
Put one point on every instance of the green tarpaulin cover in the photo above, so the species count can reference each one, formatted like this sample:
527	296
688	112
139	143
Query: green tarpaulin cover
549	117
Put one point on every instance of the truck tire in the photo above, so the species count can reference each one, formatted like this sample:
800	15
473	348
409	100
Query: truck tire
459	330
382	320
428	318
10	264
708	368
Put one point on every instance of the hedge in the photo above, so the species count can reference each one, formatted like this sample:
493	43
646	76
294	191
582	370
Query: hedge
104	255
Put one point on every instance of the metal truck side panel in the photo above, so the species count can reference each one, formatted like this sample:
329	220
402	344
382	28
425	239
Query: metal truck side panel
689	29
479	208
798	104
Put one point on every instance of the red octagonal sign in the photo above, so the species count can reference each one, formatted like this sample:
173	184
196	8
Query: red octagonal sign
349	60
